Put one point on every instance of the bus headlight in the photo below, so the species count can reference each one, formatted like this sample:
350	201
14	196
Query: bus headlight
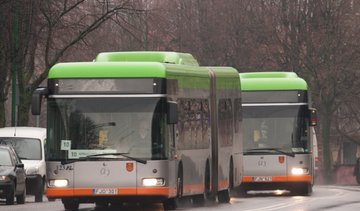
58	183
299	171
153	182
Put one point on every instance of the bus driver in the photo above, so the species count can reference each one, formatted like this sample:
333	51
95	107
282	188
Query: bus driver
141	140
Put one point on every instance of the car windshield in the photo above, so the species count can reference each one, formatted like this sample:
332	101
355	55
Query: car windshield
26	148
5	159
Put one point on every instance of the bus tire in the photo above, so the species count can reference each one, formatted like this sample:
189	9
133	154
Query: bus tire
180	182
224	195
302	189
208	194
241	191
170	204
198	200
101	204
307	190
70	204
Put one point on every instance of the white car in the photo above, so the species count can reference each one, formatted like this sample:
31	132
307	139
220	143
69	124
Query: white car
29	144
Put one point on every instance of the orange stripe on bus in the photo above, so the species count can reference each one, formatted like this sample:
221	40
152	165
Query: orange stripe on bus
223	184
193	188
144	191
292	178
158	191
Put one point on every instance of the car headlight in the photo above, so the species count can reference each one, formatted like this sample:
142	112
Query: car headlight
153	182
299	171
58	183
4	178
32	170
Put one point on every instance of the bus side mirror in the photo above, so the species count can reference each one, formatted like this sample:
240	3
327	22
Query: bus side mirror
36	100
312	117
172	113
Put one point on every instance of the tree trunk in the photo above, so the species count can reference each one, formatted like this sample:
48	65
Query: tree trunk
326	127
2	114
24	108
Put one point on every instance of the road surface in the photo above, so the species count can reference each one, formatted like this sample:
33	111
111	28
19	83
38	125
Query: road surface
329	198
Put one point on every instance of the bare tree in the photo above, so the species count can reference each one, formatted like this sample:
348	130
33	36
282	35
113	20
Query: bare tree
316	40
50	30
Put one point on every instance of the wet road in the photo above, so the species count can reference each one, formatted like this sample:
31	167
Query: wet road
330	198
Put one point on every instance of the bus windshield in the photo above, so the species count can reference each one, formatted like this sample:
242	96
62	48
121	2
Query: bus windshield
276	127
80	127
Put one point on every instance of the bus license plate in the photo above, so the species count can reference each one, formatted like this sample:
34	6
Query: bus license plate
105	191
262	179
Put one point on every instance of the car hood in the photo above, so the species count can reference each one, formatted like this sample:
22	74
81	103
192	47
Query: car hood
28	163
6	170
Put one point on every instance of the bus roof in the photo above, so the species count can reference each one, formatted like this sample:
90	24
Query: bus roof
148	56
272	81
107	70
125	64
150	64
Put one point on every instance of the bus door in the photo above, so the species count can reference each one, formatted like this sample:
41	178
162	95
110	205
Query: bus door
106	177
265	168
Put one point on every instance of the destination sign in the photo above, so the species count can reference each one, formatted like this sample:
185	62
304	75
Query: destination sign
274	96
106	86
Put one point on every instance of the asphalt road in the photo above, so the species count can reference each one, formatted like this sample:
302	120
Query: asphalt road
329	198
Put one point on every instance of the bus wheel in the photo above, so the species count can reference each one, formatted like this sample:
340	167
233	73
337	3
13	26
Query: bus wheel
170	204
241	191
224	195
70	204
307	190
179	182
198	200
101	204
208	195
302	190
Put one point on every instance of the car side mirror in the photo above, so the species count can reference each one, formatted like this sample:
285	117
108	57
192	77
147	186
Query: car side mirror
20	165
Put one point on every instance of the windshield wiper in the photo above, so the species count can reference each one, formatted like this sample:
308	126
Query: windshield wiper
89	157
291	154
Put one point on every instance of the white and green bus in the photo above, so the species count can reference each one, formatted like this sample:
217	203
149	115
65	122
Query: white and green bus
277	128
141	126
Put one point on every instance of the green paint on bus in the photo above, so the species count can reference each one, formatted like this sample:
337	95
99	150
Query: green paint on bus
169	65
272	81
147	56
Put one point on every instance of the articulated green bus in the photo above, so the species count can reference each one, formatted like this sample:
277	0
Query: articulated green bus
141	126
277	129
